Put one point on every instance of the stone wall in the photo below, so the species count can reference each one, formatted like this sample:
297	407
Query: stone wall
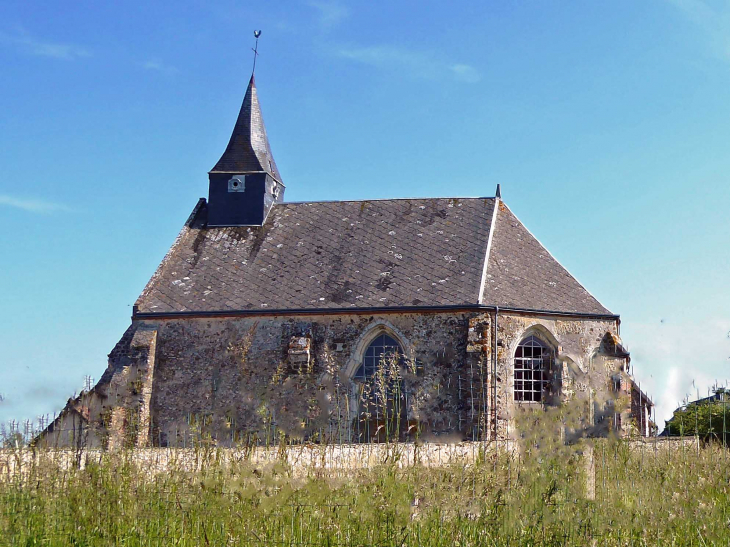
244	379
585	370
303	459
300	458
232	377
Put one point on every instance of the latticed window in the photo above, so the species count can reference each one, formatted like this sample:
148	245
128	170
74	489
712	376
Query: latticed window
379	352
532	365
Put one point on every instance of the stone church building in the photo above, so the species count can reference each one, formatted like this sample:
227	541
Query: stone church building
350	321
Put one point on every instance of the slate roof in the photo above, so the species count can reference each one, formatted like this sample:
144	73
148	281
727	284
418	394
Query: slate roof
411	252
363	254
521	273
248	151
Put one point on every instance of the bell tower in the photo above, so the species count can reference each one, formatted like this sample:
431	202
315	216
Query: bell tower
245	183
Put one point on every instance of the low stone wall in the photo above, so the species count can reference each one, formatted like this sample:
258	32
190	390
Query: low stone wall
666	443
300	458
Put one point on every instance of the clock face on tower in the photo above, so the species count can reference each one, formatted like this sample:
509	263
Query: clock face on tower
237	184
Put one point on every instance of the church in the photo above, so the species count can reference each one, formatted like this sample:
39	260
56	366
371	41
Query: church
441	319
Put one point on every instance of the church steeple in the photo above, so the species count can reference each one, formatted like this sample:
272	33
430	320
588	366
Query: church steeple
245	182
248	151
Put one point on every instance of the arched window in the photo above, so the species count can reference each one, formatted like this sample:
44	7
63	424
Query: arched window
382	398
532	367
379	352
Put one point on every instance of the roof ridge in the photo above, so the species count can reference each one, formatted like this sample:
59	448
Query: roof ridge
490	238
380	199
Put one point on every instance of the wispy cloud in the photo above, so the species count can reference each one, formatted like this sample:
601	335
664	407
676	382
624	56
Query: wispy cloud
329	12
465	73
158	66
679	360
390	57
713	20
414	63
32	45
32	205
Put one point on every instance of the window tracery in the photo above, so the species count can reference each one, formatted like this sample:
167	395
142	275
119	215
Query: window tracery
381	350
532	365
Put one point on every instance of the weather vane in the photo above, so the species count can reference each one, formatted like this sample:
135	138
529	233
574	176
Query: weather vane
255	50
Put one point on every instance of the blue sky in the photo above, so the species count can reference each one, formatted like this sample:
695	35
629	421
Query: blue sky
606	124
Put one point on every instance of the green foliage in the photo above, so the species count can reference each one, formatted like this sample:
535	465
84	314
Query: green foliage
708	420
644	495
14	440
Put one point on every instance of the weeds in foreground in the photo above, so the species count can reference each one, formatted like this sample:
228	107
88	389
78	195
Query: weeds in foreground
642	496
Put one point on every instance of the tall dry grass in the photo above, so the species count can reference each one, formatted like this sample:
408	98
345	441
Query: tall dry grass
602	492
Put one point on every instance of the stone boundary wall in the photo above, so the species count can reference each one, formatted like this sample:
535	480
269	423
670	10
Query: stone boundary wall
301	459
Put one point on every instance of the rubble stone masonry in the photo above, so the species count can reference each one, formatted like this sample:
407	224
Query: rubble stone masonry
230	378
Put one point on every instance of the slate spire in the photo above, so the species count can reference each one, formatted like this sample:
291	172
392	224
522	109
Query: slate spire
248	151
245	183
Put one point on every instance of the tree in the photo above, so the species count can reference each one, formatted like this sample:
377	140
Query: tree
14	440
709	419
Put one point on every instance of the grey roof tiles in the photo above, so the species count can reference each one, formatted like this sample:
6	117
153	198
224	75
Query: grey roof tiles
362	254
521	273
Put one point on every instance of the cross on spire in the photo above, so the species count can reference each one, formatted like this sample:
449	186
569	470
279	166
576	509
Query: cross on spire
255	50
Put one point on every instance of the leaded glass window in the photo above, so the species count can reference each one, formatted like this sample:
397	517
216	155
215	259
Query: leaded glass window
380	350
531	367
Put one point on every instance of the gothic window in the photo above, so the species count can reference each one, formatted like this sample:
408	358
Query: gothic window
379	351
531	367
382	399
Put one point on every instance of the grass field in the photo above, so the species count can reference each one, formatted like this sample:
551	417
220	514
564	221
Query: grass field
550	495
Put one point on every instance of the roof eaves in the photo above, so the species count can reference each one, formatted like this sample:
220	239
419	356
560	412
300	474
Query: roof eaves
137	315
